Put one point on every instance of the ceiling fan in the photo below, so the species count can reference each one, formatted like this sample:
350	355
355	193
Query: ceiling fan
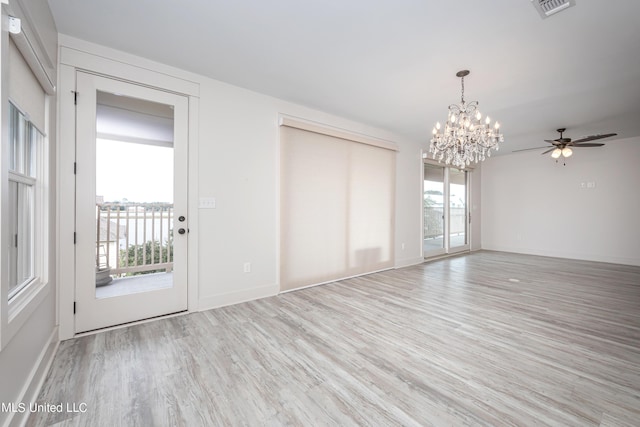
562	146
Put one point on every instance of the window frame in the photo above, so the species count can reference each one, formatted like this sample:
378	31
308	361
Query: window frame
30	174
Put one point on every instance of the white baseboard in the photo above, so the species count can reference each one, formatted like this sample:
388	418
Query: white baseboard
568	255
407	262
230	298
34	382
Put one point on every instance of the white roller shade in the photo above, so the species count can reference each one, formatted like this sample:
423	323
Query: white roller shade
337	208
123	118
131	126
24	89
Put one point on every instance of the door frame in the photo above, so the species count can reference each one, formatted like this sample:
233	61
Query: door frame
446	250
114	65
98	313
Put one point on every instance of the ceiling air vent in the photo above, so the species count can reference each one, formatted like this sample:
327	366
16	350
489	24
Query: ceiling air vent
547	8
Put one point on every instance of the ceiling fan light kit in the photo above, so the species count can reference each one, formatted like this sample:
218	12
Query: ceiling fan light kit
564	152
465	137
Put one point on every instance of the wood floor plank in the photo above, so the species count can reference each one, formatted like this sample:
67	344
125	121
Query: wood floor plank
487	338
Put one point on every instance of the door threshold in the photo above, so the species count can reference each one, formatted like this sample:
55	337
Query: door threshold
133	323
439	257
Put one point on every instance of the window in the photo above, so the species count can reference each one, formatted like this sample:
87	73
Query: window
337	205
24	143
26	235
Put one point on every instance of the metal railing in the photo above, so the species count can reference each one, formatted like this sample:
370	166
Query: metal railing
134	237
434	224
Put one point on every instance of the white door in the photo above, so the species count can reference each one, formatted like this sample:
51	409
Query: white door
458	212
131	202
434	242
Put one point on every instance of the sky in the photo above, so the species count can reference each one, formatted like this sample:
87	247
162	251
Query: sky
136	172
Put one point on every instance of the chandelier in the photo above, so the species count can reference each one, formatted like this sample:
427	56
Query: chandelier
465	137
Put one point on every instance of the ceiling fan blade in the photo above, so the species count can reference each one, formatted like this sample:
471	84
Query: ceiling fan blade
548	151
527	149
594	137
551	141
590	144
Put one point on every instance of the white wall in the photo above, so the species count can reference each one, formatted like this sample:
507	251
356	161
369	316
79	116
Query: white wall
238	143
24	360
530	204
476	208
239	140
409	203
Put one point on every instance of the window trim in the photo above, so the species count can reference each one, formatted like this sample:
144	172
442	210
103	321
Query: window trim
25	301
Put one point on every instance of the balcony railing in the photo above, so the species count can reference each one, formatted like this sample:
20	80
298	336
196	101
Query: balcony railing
434	223
134	238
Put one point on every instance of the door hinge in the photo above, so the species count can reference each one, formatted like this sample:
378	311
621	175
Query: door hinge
75	168
15	240
74	237
75	98
74	307
469	217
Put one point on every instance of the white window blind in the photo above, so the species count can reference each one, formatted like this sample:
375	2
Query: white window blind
24	89
123	118
337	208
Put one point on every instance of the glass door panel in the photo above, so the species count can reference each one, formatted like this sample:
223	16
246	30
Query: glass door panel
134	201
433	210
458	236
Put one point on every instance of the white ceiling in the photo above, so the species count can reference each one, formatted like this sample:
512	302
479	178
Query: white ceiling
392	63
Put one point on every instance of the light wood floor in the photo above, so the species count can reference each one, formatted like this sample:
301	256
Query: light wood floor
447	343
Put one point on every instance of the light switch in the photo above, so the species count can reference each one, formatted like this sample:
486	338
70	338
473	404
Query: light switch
207	203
